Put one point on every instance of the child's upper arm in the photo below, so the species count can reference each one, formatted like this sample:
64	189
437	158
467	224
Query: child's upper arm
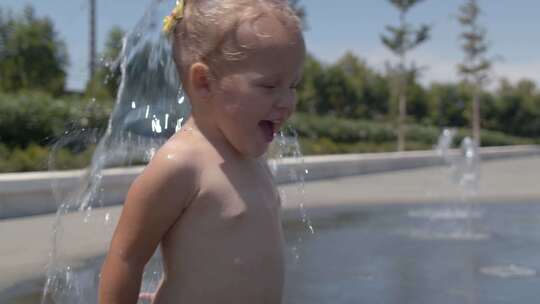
154	202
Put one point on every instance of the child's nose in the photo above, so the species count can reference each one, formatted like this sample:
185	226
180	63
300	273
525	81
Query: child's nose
287	102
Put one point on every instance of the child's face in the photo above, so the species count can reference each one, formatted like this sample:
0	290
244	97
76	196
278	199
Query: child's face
255	96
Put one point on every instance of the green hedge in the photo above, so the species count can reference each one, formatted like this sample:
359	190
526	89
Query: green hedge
331	135
36	158
34	117
30	122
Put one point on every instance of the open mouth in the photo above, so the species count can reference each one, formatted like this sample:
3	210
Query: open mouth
267	127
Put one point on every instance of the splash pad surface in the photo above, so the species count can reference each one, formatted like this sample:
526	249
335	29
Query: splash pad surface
388	253
376	229
380	254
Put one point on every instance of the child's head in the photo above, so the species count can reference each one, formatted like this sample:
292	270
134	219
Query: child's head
240	61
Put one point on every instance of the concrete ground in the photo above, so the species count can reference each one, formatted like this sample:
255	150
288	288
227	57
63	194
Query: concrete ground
26	242
505	180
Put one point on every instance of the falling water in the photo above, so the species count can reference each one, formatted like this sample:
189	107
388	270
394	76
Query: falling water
465	168
286	148
455	221
444	144
150	107
465	165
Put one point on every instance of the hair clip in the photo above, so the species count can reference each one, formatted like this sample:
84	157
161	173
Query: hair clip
176	15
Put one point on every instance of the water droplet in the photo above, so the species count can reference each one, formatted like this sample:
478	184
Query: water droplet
150	154
156	125
295	253
147	111
166	121
179	124
133	105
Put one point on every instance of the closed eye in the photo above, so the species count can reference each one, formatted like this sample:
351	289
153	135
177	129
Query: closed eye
295	86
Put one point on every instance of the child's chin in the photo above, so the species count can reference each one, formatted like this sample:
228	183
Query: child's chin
258	150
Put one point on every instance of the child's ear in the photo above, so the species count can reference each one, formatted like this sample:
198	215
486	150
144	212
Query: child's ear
199	74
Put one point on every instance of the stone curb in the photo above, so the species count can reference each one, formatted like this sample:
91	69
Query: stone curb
27	194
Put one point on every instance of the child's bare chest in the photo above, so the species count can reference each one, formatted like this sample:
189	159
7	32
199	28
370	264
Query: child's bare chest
238	204
231	235
243	192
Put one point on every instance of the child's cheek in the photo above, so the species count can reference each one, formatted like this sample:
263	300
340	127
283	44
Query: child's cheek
232	108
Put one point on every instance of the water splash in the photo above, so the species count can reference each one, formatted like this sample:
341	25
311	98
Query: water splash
444	144
465	164
509	271
433	214
459	234
285	150
288	147
455	222
146	113
467	167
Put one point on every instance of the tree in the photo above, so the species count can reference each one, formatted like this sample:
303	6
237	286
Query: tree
417	99
337	93
309	88
447	105
475	66
516	109
366	85
31	55
107	77
400	41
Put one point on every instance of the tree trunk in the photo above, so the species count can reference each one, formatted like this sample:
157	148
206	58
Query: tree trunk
476	116
401	120
402	108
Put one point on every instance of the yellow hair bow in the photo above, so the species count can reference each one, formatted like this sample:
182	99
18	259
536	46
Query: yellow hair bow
176	15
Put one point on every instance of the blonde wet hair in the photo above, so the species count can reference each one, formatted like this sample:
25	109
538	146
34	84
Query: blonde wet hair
207	30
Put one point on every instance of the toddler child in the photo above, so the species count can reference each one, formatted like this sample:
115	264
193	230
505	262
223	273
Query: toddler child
207	197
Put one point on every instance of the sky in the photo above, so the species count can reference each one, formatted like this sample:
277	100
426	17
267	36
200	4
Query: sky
336	27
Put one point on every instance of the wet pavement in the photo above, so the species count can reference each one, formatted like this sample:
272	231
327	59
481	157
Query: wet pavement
383	246
417	253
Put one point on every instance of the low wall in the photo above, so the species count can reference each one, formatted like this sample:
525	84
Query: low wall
33	193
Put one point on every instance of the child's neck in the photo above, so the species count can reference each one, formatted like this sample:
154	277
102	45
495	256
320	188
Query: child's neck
213	135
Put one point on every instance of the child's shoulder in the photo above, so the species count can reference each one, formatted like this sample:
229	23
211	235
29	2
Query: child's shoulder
173	167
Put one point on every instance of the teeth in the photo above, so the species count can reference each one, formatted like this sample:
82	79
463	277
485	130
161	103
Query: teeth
275	124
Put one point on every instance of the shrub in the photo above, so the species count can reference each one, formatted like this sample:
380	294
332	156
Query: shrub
330	135
35	117
36	158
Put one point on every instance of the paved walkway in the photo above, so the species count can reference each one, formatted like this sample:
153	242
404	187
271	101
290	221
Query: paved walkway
25	242
506	180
